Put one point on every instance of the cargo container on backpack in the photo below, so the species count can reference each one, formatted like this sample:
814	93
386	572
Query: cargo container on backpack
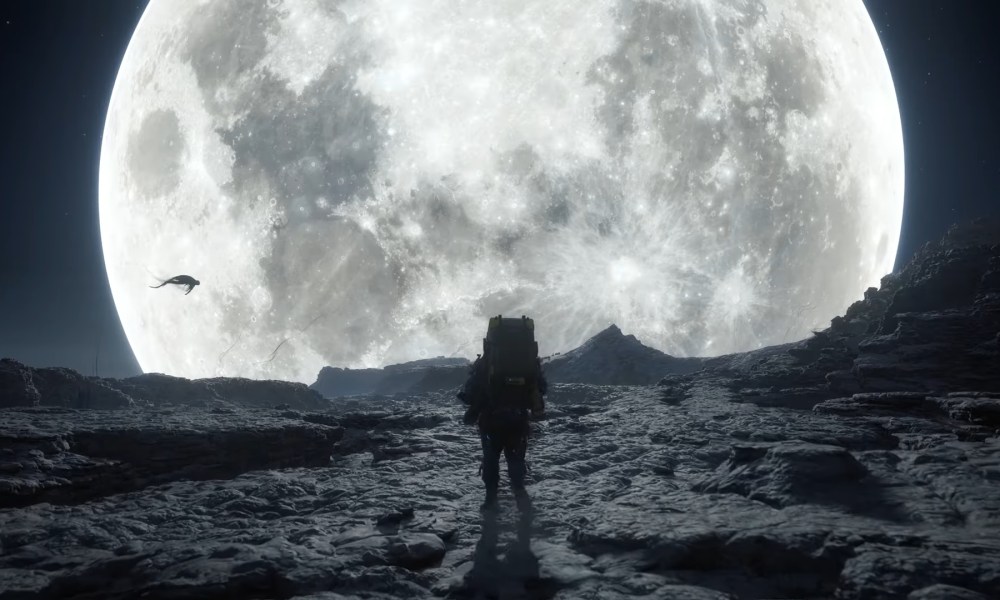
511	354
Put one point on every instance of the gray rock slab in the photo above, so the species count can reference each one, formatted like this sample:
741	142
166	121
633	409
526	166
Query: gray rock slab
67	456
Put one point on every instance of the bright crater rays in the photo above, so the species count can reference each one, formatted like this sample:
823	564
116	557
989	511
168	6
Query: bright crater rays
363	183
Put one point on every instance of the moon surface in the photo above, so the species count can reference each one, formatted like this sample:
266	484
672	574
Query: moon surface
359	183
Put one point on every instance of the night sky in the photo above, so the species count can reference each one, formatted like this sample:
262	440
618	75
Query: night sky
59	58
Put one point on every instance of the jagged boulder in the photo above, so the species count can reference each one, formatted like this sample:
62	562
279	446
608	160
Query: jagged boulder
944	280
939	351
17	387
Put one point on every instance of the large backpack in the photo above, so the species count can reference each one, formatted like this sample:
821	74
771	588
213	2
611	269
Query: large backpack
511	354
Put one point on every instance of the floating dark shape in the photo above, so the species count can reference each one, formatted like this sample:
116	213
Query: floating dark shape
187	280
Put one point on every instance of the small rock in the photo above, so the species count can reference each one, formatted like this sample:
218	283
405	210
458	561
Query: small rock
416	551
395	517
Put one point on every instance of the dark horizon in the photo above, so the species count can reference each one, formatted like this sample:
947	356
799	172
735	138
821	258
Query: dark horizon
60	61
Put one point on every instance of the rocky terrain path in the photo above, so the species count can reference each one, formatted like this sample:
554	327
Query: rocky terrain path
638	492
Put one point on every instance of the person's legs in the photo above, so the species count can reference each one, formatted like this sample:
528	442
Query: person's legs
515	449
491	466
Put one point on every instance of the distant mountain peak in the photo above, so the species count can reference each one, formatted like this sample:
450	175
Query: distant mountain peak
610	357
611	331
612	339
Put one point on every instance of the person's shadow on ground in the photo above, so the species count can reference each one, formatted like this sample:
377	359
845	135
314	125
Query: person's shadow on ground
516	573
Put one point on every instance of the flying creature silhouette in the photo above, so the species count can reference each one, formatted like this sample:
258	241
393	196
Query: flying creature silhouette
187	280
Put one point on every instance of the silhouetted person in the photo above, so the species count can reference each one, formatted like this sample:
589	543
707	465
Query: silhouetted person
504	389
187	280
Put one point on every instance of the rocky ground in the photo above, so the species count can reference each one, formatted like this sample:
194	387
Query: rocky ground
861	463
636	496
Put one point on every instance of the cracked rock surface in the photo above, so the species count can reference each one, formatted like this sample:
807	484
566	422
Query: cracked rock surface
635	494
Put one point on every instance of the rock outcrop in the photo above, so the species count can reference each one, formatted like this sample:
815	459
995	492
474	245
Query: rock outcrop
613	358
157	389
21	385
17	386
67	456
933	327
423	375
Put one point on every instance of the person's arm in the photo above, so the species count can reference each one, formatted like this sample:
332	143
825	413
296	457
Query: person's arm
471	399
471	395
543	385
468	392
465	394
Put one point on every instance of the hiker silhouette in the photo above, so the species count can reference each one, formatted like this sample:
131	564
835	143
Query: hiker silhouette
503	392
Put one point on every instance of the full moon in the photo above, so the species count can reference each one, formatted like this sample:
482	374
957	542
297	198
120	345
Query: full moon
364	182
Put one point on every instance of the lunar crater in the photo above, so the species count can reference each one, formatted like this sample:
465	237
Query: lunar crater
155	154
225	44
323	143
795	78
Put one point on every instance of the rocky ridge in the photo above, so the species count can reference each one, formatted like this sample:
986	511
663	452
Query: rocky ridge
608	358
828	468
21	385
933	327
428	374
